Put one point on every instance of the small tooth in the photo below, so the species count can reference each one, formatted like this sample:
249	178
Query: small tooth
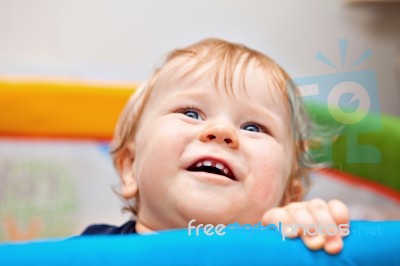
207	163
226	171
199	164
220	166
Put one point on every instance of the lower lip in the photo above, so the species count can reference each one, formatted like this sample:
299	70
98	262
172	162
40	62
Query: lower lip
212	178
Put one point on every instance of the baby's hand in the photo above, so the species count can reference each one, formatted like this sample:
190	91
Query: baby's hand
315	212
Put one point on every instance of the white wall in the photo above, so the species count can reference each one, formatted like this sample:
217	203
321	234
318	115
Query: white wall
124	39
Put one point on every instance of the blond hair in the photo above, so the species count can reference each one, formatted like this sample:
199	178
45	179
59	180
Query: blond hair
224	60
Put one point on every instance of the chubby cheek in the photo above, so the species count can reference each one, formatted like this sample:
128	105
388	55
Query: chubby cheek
158	149
270	173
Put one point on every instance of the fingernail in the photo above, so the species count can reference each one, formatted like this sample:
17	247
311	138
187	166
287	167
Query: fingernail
288	230
316	241
334	246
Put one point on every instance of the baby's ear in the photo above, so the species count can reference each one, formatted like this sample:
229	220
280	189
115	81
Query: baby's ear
293	192
128	179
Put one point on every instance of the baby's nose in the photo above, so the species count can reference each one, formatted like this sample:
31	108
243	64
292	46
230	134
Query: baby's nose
220	133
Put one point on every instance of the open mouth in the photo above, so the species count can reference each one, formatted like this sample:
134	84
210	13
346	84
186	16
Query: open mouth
212	167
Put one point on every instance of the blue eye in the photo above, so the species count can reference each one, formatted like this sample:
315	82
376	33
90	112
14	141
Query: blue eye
256	127
192	114
252	128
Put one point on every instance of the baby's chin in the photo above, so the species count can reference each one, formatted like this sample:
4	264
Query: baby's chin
217	216
215	221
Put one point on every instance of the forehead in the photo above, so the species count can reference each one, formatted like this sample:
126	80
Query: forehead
247	81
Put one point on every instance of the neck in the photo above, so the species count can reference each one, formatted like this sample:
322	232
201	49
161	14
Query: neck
142	229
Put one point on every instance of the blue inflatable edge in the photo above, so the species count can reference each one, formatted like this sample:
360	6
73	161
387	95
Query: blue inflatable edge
369	243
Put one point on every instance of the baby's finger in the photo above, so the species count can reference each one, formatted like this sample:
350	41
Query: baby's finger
326	225
306	225
279	215
339	211
333	244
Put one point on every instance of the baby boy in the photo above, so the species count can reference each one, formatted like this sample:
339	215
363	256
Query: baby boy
218	134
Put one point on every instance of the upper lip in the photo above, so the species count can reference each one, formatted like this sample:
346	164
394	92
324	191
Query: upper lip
216	163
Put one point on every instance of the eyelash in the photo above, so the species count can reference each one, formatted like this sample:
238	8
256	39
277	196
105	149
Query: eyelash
195	109
262	128
189	108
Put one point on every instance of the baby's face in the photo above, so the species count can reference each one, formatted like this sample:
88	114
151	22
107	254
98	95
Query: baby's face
201	153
